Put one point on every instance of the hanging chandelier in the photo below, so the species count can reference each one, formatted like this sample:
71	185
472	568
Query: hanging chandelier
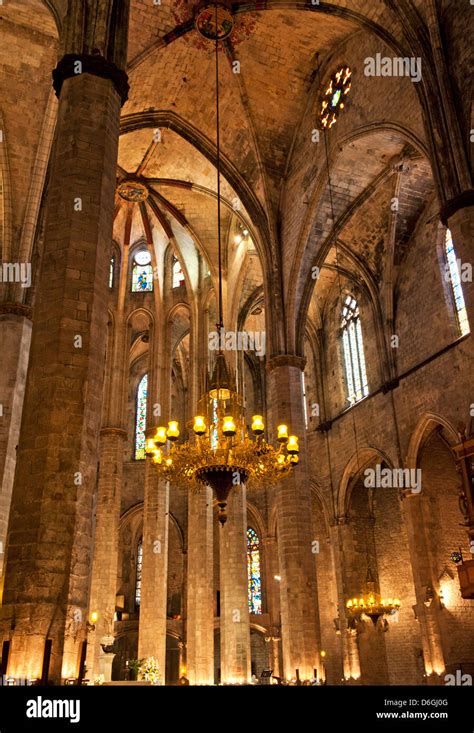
370	604
222	452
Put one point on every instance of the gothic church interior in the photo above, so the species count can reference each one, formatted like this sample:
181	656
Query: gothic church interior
236	314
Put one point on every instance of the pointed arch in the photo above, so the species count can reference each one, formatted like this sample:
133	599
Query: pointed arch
358	462
426	426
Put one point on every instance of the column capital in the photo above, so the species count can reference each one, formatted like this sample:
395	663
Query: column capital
113	431
340	521
17	309
94	64
269	538
282	360
462	201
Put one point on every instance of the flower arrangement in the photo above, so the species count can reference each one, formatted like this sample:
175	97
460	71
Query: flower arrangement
149	670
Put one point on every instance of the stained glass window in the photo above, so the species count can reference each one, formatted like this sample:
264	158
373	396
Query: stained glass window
334	97
353	351
140	418
142	272
214	431
254	574
111	272
178	275
305	406
138	580
453	274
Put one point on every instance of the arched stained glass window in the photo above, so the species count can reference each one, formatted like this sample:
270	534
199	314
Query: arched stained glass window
111	272
140	418
142	272
178	275
305	405
138	575
353	350
214	431
453	274
254	573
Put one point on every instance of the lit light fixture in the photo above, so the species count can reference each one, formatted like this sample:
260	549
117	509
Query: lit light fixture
292	446
93	618
150	445
228	427
370	603
199	426
257	425
157	455
160	436
220	453
173	431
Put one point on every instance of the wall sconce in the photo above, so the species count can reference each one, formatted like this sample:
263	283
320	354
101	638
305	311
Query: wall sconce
352	625
429	596
90	625
274	634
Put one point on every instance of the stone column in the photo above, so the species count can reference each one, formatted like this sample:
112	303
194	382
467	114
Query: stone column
49	538
153	602
341	543
427	610
235	619
275	655
270	554
200	607
351	654
200	567
15	336
298	590
104	565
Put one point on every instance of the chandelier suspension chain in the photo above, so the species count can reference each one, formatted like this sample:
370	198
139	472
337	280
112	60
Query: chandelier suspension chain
220	325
